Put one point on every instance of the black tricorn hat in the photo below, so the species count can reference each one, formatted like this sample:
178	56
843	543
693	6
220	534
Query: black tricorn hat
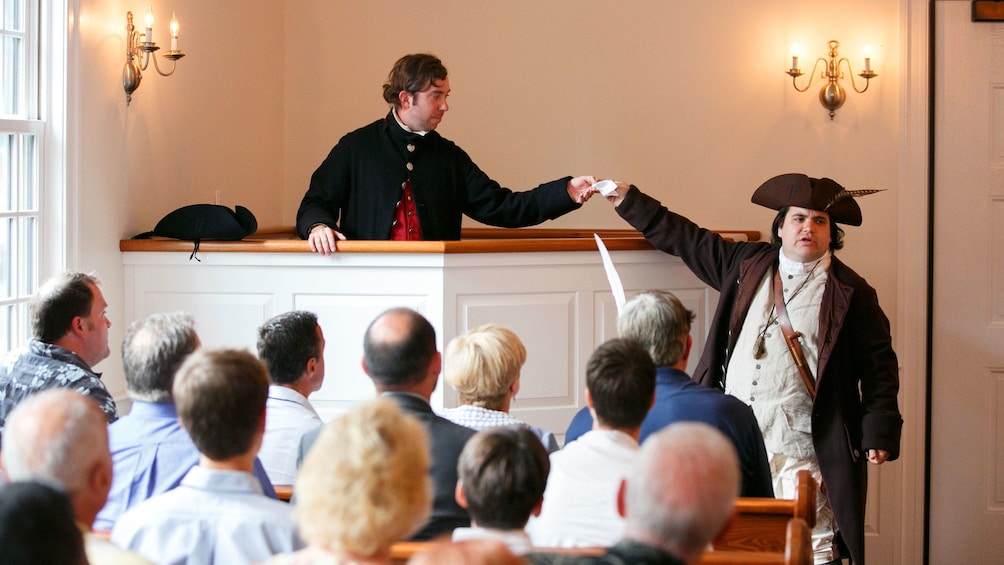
822	195
205	221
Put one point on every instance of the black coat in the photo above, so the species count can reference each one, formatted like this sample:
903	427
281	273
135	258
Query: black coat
357	187
857	382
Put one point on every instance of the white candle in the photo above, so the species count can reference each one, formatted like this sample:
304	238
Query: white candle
795	49
868	58
149	26
174	32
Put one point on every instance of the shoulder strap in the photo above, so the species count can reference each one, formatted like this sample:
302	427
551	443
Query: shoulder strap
791	336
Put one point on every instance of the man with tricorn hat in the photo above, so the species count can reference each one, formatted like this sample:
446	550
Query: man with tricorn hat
816	364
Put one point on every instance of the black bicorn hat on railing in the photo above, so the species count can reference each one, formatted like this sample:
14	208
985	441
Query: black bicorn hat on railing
822	195
199	222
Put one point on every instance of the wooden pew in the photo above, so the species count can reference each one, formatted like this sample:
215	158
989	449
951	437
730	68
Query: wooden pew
284	492
795	550
760	524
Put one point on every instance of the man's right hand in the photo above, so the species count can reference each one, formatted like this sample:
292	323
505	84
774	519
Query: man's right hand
322	239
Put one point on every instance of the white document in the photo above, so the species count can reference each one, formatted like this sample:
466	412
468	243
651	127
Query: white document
606	187
612	277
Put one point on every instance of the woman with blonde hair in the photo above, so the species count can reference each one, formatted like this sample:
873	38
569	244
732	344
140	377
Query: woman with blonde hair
363	485
483	366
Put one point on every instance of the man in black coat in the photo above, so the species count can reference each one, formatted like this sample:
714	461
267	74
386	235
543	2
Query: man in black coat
400	356
398	179
850	415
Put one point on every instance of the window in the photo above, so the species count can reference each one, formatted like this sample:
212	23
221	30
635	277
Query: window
21	137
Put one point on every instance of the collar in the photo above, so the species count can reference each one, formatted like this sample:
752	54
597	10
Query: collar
404	127
143	408
277	392
59	353
219	480
798	268
670	374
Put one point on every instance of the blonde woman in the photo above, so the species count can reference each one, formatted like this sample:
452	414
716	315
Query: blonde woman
483	366
363	486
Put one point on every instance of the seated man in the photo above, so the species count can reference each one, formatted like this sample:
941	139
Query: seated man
218	513
36	526
483	366
679	497
151	452
70	337
580	503
503	472
660	322
291	346
400	356
61	438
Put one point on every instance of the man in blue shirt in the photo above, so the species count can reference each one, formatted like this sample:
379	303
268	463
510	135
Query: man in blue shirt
662	325
151	452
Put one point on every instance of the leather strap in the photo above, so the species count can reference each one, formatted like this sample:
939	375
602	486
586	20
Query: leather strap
791	336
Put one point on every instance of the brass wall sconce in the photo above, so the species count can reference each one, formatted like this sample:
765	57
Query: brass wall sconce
832	95
140	48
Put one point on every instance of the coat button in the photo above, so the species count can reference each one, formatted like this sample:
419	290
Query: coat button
409	166
411	147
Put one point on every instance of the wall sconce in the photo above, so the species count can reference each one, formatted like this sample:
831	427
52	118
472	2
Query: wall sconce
140	48
832	95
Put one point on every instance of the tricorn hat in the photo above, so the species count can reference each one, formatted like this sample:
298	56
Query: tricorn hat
822	195
205	221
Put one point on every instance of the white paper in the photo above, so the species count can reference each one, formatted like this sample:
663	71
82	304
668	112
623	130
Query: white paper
606	187
612	277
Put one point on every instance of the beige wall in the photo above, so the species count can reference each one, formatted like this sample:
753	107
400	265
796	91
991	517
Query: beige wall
687	100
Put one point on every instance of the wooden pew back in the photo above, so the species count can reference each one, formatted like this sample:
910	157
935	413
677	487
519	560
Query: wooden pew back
760	524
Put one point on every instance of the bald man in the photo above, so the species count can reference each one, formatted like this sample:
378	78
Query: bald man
61	437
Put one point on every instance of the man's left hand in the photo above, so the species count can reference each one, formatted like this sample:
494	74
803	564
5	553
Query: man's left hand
877	456
581	188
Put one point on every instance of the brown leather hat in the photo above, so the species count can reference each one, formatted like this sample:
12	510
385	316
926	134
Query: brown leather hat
822	195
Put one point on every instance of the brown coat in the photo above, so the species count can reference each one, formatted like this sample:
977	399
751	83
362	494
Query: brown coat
855	353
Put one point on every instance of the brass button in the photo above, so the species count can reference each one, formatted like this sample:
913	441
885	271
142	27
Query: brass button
411	147
410	167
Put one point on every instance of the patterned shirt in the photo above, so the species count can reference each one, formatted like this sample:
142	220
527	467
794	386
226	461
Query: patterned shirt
39	366
478	418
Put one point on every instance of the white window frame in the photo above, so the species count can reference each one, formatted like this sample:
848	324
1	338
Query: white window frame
45	118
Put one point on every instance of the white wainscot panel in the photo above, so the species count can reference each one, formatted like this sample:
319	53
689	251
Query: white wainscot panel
221	319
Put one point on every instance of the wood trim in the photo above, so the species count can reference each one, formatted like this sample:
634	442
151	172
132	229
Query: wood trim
476	240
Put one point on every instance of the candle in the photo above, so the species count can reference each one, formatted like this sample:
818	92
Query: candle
174	32
795	49
868	58
149	26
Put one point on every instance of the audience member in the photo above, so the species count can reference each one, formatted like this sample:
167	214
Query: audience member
60	437
70	336
482	551
369	487
483	366
291	345
502	472
151	452
218	513
37	526
400	356
679	497
661	323
580	503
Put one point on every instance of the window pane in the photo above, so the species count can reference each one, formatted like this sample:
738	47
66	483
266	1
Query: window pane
13	81
28	252
8	328
13	15
29	188
7	195
7	259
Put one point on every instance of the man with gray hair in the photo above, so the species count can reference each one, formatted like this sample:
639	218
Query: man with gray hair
150	449
678	498
661	323
60	437
70	336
